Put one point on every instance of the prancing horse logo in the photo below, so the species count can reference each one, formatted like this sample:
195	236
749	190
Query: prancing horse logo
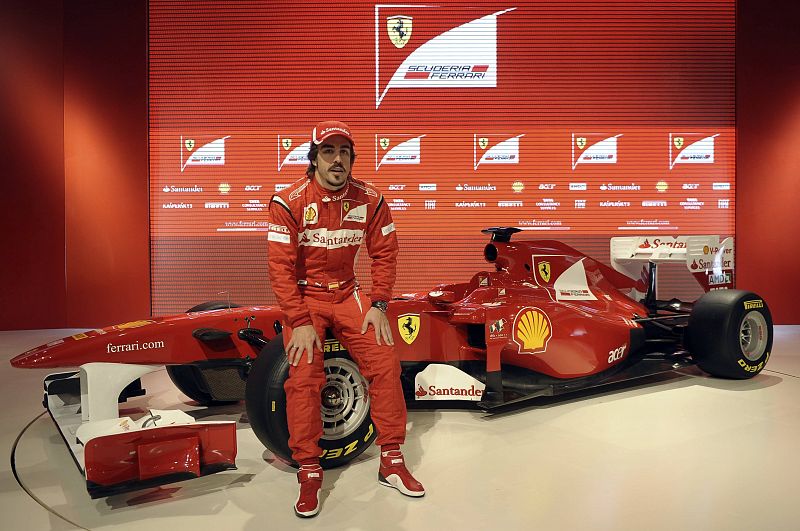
408	325
399	28
544	271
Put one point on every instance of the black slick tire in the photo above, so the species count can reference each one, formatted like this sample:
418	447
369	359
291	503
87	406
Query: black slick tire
348	427
730	333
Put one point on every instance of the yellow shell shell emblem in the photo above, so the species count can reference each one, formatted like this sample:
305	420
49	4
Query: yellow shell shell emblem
532	330
311	214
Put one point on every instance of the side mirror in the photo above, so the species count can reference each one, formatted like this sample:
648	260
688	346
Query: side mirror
442	297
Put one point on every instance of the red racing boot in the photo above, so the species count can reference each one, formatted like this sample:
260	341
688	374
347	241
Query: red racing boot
393	473
310	479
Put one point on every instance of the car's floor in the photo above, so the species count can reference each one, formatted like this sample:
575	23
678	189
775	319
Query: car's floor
685	452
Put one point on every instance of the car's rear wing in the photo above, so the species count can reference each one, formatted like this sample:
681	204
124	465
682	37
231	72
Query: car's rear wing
710	261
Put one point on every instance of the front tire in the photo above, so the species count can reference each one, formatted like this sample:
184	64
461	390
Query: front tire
730	333
347	427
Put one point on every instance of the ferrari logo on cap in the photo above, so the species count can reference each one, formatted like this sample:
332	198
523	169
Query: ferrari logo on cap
408	325
286	143
544	271
384	142
399	28
483	142
189	144
677	141
580	142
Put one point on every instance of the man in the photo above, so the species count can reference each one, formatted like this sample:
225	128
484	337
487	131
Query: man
317	227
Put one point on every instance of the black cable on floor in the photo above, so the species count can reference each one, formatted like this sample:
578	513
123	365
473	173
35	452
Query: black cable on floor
19	481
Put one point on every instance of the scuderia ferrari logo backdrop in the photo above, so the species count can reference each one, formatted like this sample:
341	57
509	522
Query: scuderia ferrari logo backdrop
462	56
532	330
408	326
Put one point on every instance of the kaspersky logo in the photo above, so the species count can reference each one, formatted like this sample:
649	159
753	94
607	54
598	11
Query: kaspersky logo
691	148
397	149
209	154
293	150
594	148
464	56
495	149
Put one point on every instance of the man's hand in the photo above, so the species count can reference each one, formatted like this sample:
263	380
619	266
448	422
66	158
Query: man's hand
380	323
304	339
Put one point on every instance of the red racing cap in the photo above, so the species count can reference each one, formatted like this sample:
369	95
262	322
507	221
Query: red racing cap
324	130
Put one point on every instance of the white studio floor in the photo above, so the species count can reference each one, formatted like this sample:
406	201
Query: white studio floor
679	453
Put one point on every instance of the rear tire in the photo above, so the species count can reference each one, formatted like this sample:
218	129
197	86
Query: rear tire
730	333
347	427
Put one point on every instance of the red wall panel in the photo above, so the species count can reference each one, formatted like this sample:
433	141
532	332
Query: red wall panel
768	168
74	213
105	166
32	281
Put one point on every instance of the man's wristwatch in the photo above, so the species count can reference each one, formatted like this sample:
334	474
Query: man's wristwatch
381	305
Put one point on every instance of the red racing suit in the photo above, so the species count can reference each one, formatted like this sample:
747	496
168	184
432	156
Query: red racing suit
314	238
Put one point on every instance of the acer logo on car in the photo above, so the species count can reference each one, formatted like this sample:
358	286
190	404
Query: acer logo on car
616	354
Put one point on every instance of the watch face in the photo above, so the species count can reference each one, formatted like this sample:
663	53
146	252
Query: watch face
381	305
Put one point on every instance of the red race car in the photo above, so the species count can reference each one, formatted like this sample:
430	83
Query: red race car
544	320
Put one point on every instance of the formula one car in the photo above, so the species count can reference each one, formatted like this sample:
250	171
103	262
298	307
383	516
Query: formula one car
545	320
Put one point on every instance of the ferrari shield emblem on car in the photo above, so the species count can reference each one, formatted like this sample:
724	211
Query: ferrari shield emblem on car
286	143
384	143
544	271
483	142
408	325
399	28
677	141
189	144
580	142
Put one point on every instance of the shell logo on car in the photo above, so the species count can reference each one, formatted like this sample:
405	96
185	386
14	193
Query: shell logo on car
532	330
